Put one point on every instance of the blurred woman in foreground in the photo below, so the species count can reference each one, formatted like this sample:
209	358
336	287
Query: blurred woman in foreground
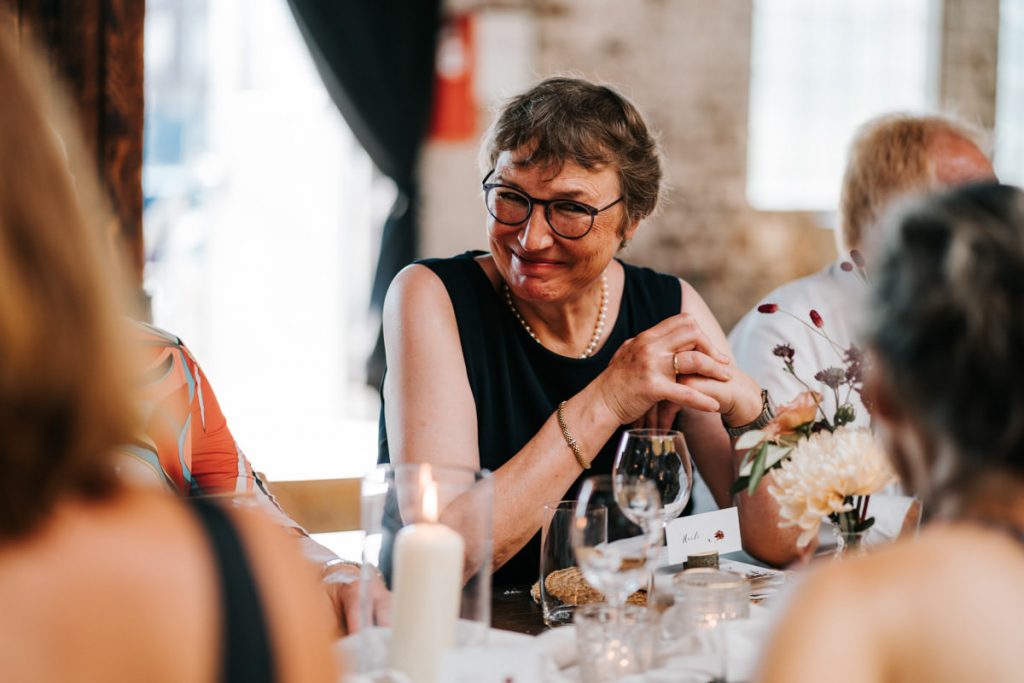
125	586
948	343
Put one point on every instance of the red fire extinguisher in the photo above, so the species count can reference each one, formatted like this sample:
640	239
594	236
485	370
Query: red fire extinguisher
455	110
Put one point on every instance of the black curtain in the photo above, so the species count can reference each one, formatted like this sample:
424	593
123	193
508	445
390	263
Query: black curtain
376	58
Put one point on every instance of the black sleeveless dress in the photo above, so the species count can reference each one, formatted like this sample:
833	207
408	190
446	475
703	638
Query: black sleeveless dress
246	655
517	383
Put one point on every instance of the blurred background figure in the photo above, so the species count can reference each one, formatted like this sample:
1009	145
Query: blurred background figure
946	334
891	158
127	585
184	445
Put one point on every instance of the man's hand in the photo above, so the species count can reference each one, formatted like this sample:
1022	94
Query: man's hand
342	583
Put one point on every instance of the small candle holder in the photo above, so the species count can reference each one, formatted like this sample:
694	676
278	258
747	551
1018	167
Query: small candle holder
707	601
428	534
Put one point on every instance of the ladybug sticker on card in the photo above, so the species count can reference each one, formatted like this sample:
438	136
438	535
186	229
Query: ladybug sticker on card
718	530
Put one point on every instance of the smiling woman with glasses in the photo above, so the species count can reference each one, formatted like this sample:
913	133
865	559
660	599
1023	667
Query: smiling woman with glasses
530	359
567	218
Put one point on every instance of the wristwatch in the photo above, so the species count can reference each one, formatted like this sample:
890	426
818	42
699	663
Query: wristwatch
760	422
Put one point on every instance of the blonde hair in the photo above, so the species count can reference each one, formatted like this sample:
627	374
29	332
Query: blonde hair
64	388
888	158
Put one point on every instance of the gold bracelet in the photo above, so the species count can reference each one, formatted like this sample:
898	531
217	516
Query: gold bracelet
569	439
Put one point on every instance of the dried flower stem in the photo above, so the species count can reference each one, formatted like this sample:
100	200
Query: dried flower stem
816	330
824	417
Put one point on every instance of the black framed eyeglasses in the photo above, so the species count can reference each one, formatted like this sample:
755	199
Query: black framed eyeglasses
568	219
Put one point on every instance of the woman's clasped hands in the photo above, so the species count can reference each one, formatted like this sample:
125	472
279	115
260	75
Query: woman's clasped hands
672	367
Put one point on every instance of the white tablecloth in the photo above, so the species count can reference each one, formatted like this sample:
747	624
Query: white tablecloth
677	662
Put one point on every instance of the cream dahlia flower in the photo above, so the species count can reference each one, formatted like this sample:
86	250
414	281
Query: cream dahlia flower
821	475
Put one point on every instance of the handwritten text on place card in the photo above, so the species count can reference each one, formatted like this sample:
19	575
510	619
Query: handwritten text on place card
718	530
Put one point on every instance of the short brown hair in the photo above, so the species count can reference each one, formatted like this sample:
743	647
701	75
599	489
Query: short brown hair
64	393
888	158
570	119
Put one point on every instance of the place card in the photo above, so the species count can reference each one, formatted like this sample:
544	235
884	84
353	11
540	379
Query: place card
491	664
718	530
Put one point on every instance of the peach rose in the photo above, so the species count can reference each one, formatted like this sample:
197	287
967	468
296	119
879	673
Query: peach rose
789	416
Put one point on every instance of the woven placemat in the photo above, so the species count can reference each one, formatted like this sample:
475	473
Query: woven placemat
569	586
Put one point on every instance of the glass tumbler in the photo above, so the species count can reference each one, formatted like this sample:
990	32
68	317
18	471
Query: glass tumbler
614	641
562	587
428	533
706	602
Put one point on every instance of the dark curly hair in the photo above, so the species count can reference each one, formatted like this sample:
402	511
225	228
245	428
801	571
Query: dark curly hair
948	325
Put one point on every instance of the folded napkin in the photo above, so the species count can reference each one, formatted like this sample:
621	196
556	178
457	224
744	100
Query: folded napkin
364	654
685	660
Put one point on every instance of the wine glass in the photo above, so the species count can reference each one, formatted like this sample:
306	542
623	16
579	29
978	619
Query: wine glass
661	457
617	558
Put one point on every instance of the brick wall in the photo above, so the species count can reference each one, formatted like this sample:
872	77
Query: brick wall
685	63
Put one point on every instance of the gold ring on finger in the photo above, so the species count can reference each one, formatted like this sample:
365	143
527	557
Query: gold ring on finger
675	365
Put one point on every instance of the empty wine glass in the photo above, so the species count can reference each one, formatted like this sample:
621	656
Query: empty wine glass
661	457
617	558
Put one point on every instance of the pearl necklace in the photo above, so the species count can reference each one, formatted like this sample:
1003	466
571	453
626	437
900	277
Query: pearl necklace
595	339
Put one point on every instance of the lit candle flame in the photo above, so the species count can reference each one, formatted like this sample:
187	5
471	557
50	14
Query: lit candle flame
430	501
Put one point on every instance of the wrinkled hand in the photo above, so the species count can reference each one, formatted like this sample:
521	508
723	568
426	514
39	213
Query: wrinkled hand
343	586
641	380
739	398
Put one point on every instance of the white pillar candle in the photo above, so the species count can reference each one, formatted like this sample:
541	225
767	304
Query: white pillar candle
427	588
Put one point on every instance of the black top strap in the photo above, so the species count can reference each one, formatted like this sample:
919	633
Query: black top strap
246	651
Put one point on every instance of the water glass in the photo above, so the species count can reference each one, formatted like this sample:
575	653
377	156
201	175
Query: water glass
706	601
619	563
614	642
659	456
559	574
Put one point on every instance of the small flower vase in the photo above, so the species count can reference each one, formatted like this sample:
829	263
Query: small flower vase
848	541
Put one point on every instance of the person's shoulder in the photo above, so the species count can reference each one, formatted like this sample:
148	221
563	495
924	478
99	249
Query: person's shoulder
458	267
647	275
648	285
149	334
123	547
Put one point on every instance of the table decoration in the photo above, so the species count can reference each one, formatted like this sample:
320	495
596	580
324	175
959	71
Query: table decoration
821	467
831	474
428	531
804	415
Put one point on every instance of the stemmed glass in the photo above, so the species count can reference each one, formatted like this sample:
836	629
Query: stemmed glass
616	559
659	456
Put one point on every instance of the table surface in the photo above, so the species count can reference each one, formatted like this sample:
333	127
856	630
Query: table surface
512	609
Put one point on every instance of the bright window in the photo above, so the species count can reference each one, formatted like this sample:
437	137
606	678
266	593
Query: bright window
259	207
1009	150
820	68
